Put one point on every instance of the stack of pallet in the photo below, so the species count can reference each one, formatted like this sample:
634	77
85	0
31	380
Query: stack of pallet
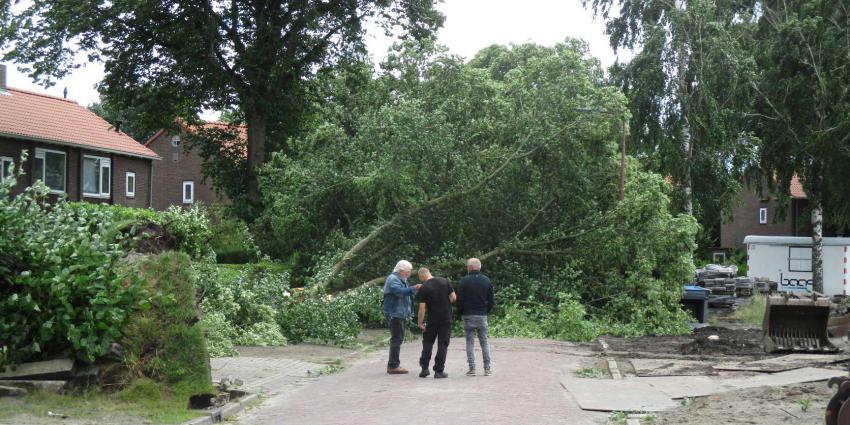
717	278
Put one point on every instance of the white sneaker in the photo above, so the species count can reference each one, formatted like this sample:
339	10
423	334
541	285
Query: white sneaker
487	372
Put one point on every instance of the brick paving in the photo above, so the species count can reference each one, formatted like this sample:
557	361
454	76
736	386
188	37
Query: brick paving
524	389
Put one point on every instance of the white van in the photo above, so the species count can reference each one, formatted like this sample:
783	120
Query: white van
787	260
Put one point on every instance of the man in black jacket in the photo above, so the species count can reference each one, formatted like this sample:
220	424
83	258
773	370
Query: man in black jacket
474	301
436	297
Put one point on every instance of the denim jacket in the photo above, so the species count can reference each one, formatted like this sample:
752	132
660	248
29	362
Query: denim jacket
397	297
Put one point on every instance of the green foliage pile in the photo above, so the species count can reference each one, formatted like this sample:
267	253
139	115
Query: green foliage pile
60	288
189	228
164	342
230	239
240	305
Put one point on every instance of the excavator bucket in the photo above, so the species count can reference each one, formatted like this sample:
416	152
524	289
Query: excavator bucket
797	325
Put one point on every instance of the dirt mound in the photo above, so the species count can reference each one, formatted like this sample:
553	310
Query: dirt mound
727	341
153	239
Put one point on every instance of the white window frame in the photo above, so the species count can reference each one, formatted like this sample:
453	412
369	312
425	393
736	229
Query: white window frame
191	198
39	155
3	161
102	162
762	215
130	189
799	261
718	257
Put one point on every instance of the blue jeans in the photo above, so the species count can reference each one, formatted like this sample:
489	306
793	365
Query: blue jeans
471	326
396	338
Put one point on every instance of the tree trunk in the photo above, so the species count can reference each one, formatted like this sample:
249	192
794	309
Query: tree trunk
688	181
257	122
817	247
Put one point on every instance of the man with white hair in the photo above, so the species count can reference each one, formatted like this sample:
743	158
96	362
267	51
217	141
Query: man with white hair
474	301
397	309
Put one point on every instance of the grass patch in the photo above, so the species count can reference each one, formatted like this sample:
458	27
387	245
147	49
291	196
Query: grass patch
752	313
592	372
143	400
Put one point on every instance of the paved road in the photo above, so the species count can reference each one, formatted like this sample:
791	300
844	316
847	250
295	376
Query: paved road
524	389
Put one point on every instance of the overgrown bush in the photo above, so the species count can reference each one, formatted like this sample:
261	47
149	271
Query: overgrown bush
321	318
187	230
231	241
164	341
240	305
60	289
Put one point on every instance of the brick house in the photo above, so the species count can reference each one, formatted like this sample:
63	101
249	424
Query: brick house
178	179
72	150
756	215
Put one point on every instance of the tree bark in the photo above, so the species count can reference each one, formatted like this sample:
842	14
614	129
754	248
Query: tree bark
257	122
686	144
817	247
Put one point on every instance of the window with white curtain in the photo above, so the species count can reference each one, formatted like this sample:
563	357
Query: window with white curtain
6	165
130	180
50	168
97	176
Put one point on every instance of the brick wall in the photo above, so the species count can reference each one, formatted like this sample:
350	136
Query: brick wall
746	220
73	178
177	166
121	165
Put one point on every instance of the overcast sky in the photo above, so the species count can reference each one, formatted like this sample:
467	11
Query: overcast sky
470	26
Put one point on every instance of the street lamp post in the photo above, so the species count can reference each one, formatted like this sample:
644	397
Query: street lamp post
622	146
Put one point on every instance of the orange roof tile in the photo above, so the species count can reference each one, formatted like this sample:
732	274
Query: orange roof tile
241	132
796	190
35	116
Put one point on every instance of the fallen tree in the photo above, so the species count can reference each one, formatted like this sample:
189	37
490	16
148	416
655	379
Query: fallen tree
437	160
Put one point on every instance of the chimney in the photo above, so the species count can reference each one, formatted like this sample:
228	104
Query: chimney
2	77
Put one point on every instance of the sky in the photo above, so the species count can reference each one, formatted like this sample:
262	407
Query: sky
470	26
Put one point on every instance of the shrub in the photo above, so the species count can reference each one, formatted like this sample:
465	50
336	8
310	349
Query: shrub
191	227
231	241
240	304
367	303
60	289
321	318
186	230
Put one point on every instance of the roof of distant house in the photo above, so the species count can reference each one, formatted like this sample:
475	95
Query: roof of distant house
241	131
43	118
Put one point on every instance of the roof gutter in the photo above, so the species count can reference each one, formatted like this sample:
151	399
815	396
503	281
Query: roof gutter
77	145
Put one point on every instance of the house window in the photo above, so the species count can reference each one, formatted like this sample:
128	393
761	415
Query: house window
130	184
799	259
50	168
718	257
762	215
175	141
6	166
188	192
97	176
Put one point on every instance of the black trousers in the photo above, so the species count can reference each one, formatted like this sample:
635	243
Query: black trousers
442	333
396	338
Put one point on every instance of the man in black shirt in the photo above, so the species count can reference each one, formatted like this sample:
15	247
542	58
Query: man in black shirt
435	296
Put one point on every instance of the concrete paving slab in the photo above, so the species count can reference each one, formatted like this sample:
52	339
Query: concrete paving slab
609	395
264	375
49	369
700	386
671	367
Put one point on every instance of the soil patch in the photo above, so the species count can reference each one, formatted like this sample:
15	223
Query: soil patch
759	406
717	340
730	342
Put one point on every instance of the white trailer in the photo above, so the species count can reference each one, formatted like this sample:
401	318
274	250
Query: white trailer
788	261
